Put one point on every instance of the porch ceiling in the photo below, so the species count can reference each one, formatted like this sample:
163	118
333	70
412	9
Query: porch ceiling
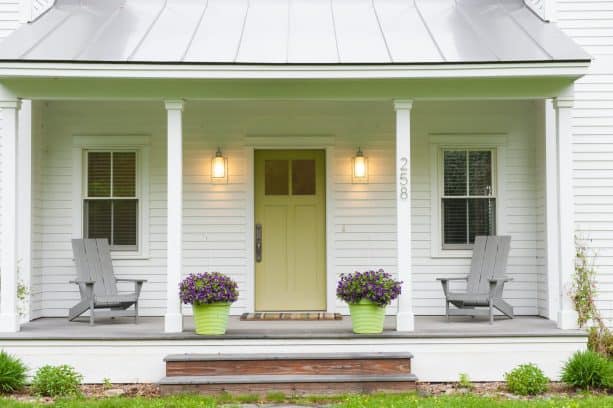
290	32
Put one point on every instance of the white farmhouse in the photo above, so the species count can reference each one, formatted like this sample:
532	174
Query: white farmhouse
475	117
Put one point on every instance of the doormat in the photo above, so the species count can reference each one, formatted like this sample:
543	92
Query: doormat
291	316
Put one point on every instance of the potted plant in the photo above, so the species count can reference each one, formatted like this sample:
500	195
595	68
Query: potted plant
210	295
368	293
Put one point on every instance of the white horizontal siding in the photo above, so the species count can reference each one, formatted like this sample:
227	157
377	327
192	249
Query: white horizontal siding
10	13
215	215
590	24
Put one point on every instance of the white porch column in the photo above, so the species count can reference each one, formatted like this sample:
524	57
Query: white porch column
173	320
405	321
552	234
567	316
24	204
9	110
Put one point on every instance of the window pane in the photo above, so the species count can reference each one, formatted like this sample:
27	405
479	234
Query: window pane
276	177
482	217
303	177
125	224
98	219
124	174
454	221
455	173
480	173
98	174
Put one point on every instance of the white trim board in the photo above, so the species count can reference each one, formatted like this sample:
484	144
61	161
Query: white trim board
436	359
139	143
571	69
495	141
251	143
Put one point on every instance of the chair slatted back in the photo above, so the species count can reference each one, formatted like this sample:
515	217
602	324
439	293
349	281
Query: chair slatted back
490	255
93	259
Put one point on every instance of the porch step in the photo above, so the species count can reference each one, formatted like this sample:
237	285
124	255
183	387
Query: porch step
288	384
289	373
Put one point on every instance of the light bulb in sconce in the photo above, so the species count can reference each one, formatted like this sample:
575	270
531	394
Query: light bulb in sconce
360	167
218	168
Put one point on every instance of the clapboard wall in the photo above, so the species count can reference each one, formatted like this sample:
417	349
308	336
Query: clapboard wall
590	24
215	215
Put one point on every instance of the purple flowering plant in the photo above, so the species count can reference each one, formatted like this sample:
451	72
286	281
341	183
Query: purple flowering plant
377	286
208	287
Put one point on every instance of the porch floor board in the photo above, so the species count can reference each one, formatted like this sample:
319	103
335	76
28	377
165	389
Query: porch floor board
152	328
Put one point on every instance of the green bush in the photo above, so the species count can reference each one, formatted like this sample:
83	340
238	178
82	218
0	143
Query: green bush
12	373
527	379
600	340
588	369
56	381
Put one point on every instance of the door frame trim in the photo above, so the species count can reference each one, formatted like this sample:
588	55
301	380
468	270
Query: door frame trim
289	142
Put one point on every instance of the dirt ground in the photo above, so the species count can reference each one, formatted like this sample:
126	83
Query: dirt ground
486	389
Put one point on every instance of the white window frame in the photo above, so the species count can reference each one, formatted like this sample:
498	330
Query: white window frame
438	143
140	145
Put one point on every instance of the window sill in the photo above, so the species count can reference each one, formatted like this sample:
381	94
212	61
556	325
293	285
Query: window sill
451	253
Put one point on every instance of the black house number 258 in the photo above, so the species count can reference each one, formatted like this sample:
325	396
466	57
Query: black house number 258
404	178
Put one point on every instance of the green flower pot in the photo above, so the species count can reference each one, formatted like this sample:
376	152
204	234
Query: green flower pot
366	317
211	318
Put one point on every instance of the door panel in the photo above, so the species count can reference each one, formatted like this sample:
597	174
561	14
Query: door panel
290	206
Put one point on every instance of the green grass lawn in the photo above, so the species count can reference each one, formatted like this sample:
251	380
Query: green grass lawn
358	401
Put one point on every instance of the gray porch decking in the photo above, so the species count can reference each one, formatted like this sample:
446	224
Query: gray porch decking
152	328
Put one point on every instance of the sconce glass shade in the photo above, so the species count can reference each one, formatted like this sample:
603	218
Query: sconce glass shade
360	168
219	173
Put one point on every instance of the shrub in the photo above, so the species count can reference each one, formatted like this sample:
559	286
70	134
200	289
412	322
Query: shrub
12	373
376	286
208	287
56	381
527	379
600	340
588	369
464	381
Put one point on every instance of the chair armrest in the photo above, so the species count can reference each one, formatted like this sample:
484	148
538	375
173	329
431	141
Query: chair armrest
494	282
82	282
131	280
500	279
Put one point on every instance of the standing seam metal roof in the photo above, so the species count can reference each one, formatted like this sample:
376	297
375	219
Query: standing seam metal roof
290	32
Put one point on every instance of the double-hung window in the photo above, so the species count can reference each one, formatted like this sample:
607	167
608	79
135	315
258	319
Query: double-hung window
467	196
111	199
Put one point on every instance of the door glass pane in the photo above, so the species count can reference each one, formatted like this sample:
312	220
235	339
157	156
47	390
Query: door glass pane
454	220
98	219
124	174
125	222
455	173
276	177
480	173
482	217
98	174
303	177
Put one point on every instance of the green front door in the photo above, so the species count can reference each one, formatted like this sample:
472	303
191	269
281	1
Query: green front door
290	217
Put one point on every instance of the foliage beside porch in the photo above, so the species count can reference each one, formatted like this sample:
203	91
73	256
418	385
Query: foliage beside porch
359	401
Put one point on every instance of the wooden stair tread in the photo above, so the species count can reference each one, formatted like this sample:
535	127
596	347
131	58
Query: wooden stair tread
273	379
287	356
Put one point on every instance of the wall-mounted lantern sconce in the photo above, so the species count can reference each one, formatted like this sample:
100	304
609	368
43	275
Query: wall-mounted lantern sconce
360	168
219	168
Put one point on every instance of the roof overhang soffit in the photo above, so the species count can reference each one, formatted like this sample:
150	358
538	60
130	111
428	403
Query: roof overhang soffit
127	81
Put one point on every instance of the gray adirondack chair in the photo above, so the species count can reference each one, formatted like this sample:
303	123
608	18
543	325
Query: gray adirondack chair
485	282
98	284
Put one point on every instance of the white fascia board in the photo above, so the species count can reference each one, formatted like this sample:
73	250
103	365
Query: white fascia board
243	71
